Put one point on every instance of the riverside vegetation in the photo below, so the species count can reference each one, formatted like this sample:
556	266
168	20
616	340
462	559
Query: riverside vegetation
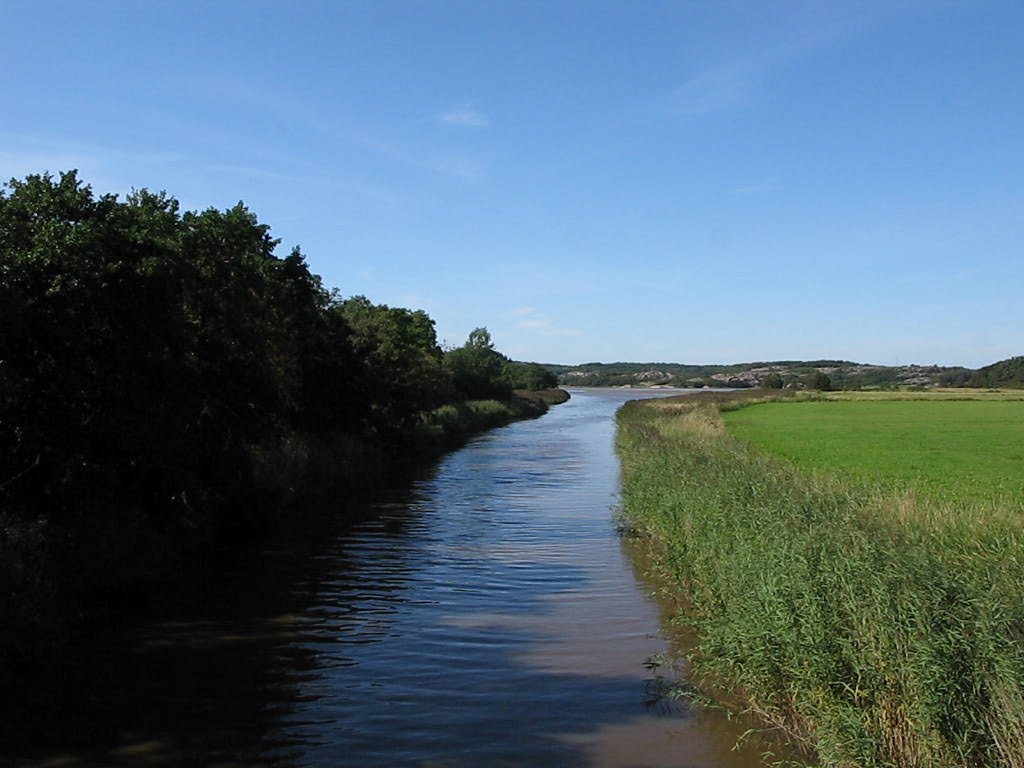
168	384
867	602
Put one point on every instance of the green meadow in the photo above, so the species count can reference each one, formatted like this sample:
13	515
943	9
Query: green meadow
852	568
955	450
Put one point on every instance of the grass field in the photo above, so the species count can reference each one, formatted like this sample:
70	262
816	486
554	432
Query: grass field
953	450
934	393
873	626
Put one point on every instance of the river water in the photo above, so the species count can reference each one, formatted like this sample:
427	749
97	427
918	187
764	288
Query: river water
487	615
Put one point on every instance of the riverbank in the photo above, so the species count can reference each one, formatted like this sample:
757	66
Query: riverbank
450	426
487	613
294	480
872	627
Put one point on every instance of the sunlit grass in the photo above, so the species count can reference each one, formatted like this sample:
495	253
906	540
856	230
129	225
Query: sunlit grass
962	450
932	393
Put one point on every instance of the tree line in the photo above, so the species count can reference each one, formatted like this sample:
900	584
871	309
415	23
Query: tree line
165	375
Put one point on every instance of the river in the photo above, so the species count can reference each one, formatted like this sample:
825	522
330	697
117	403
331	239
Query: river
487	615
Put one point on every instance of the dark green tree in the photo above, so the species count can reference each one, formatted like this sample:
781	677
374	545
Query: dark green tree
821	382
402	366
165	377
530	376
143	354
478	370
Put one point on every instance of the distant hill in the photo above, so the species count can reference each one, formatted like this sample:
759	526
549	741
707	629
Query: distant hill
843	374
1005	373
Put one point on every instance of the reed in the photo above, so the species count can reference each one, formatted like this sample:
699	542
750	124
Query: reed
873	627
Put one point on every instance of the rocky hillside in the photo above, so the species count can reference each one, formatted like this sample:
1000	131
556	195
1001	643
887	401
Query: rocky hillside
841	374
1005	373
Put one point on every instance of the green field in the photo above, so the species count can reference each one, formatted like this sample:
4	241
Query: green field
948	449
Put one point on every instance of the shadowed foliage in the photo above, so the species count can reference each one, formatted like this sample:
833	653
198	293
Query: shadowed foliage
1006	373
166	381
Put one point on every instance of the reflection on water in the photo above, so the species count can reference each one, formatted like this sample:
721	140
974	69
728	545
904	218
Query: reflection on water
485	616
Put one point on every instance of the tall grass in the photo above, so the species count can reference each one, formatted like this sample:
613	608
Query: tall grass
449	426
873	628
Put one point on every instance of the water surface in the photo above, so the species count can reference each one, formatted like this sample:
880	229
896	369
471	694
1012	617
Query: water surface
488	615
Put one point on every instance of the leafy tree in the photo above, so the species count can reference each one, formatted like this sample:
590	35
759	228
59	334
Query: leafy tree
955	377
327	397
531	376
144	353
99	390
821	382
772	381
155	364
403	371
478	370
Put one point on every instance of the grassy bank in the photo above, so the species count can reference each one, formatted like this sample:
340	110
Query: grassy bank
450	426
874	627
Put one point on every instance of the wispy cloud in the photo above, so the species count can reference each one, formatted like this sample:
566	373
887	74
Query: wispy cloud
332	182
533	320
741	81
17	164
465	167
538	323
731	86
34	147
113	169
462	166
464	116
106	169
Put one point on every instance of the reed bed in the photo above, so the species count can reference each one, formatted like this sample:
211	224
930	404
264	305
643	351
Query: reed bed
872	627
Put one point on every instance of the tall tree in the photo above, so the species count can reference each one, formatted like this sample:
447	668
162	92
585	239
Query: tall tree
478	370
402	364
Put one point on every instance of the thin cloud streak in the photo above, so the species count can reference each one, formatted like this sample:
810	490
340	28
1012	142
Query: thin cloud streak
465	117
35	155
537	323
364	190
464	167
733	86
14	144
741	82
458	166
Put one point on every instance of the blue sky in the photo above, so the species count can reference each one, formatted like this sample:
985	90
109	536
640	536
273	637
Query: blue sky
680	181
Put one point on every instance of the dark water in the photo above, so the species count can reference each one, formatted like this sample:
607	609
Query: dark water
487	616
